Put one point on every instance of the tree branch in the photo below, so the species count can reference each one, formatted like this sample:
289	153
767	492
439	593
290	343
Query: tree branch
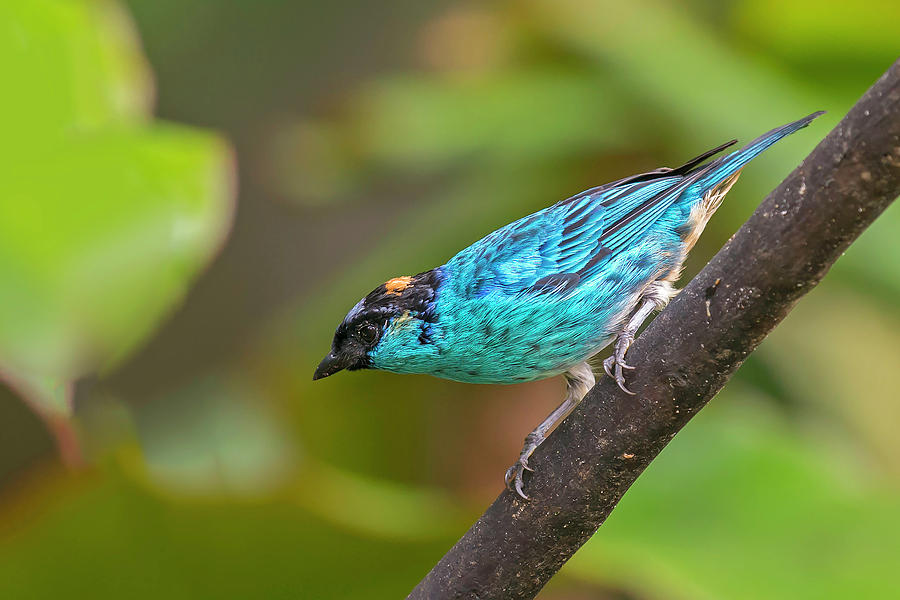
683	358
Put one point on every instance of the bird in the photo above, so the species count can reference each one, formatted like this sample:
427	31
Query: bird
543	295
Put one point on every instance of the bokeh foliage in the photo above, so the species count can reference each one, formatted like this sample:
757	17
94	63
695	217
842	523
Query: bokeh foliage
249	480
105	216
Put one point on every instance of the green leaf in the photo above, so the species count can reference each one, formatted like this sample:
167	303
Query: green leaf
68	66
104	218
102	536
823	31
511	116
845	374
98	238
737	507
225	440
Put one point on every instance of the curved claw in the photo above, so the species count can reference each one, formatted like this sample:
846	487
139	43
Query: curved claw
621	382
608	363
514	478
519	489
614	364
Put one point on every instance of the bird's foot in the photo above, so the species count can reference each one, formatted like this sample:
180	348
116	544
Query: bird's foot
615	364
515	474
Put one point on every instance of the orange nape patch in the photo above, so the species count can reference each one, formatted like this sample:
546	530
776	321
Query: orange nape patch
397	284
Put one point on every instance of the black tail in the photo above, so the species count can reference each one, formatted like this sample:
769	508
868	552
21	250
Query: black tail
729	165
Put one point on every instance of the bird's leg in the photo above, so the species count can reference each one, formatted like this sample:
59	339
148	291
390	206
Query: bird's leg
615	363
579	379
655	298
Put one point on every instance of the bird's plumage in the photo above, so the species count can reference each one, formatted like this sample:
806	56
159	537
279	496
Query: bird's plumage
551	289
545	293
571	241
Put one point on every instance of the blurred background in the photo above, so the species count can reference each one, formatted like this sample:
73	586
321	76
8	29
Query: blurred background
194	193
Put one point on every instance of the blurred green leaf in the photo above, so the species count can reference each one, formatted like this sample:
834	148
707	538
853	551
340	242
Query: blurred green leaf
418	121
109	538
422	123
98	237
738	507
68	66
375	507
682	72
863	266
104	219
822	30
839	354
225	441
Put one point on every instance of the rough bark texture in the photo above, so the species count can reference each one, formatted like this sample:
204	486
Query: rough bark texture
683	358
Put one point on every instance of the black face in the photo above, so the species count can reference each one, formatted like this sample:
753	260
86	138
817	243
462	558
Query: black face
351	346
362	328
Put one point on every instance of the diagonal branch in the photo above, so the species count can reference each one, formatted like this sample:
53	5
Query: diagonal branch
683	358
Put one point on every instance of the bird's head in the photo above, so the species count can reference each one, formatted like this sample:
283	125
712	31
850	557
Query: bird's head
389	329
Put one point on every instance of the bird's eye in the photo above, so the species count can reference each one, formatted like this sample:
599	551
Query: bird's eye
367	333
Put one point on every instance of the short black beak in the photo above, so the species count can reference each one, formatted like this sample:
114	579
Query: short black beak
330	365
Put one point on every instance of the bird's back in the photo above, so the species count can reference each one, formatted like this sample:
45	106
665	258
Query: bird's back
552	288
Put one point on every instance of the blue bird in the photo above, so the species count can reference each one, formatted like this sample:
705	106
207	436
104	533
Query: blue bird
544	294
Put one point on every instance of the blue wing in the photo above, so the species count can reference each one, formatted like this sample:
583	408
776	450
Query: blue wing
566	244
562	246
558	248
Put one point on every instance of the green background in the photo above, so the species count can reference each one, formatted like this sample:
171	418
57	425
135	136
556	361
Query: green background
193	194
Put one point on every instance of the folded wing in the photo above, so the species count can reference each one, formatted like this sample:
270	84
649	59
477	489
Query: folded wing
559	248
